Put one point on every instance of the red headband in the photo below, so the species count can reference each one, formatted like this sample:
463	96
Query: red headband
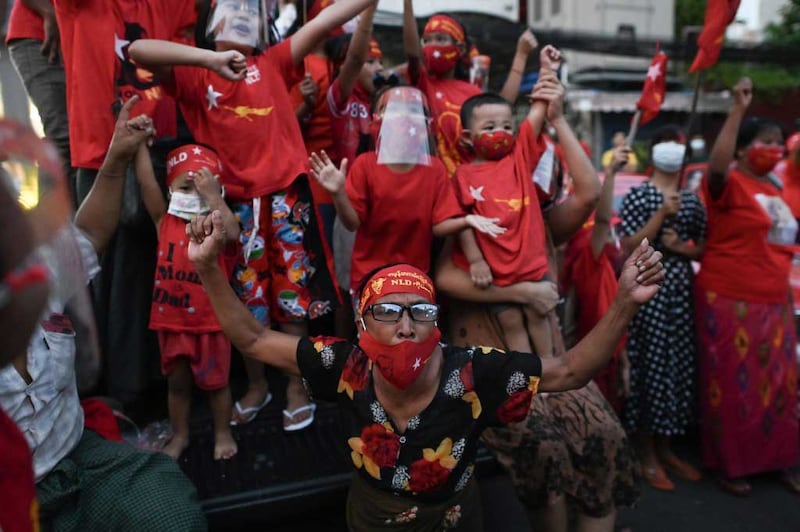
445	24
375	51
793	142
191	158
397	279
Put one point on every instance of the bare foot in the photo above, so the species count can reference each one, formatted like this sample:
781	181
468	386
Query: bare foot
174	449
296	398
224	445
250	404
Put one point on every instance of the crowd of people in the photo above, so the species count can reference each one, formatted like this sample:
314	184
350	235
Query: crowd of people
250	175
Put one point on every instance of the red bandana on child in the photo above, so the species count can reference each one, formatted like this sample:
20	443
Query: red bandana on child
189	159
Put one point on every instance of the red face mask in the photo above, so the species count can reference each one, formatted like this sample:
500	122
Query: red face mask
440	59
494	145
400	364
762	158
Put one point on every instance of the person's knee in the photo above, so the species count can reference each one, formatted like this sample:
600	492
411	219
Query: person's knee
511	320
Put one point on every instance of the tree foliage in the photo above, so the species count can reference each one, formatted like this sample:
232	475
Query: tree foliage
688	13
787	31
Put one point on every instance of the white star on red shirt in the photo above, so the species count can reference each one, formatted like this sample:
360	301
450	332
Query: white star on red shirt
119	44
212	96
477	193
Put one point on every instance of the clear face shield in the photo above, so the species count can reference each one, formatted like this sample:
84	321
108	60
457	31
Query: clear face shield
403	136
32	176
239	23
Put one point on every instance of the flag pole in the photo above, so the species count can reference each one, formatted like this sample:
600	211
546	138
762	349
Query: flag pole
690	123
634	127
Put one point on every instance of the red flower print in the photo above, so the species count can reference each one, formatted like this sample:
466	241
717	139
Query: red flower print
516	407
376	448
354	374
466	377
427	476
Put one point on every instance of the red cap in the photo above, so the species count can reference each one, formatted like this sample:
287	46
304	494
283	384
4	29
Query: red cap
191	158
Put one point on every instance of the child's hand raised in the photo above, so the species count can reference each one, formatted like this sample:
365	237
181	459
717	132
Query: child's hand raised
207	183
550	58
324	171
527	43
230	64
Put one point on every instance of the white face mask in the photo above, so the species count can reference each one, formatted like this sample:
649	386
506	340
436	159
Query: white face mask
698	145
187	206
668	156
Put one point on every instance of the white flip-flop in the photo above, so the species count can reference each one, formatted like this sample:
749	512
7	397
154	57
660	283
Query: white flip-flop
300	424
249	414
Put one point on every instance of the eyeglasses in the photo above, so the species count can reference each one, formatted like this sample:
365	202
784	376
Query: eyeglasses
393	312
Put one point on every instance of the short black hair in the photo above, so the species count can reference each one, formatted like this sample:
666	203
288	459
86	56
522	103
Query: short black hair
753	127
484	98
667	133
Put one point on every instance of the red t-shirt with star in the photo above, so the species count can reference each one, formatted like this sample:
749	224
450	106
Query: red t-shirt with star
180	303
505	189
95	35
445	97
249	123
24	23
349	119
397	212
19	511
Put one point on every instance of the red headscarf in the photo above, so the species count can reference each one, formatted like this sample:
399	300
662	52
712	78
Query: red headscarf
445	24
191	158
397	279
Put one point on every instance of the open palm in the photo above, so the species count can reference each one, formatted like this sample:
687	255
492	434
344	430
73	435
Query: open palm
326	173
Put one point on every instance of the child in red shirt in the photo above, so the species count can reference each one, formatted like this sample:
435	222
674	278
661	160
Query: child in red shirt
191	340
499	184
396	208
237	101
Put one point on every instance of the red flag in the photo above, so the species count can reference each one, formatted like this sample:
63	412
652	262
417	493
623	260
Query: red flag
655	87
719	13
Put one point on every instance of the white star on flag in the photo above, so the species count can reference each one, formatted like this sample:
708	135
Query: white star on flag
212	96
417	363
196	150
654	71
477	193
119	44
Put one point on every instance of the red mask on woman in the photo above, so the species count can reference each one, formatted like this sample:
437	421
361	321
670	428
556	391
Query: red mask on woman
762	158
400	364
494	145
440	59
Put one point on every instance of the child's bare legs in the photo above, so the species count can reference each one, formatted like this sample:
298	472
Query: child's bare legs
257	390
221	405
296	396
179	403
512	322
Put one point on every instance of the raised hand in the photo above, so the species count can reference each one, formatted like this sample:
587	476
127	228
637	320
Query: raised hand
207	183
743	93
326	173
310	91
485	225
619	158
129	133
480	273
550	90
527	43
642	274
550	58
207	237
230	64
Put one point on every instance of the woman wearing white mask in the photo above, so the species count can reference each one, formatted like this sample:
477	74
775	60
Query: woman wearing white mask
661	342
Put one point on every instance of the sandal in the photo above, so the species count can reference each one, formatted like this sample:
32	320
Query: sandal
791	481
735	486
682	469
657	478
290	415
249	414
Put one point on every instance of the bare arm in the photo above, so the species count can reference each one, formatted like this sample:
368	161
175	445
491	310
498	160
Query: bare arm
207	238
722	152
152	197
160	56
638	283
525	45
306	39
356	54
208	186
98	215
479	269
605	206
567	217
411	44
332	179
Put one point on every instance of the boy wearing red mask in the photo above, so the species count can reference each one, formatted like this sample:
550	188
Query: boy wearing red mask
193	347
236	100
498	184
